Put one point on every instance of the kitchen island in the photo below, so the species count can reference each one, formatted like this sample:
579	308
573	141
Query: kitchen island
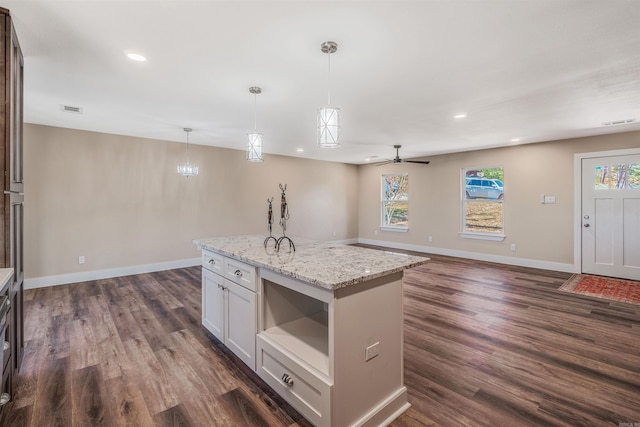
322	325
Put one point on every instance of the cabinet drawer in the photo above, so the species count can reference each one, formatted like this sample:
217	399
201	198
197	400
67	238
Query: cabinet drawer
240	273
307	392
213	262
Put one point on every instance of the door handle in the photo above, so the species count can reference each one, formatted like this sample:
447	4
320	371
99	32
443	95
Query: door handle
586	225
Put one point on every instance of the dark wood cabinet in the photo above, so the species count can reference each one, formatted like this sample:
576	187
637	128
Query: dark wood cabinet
11	213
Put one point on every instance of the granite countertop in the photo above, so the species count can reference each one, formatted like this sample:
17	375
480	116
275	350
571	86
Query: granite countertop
324	264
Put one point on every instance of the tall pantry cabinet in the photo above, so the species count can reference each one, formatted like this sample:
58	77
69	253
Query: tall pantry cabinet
11	211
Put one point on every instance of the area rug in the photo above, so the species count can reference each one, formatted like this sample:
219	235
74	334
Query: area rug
603	287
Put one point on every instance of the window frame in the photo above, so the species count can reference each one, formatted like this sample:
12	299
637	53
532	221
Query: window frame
480	235
384	201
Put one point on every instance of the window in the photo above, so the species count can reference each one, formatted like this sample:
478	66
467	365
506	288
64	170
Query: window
617	177
395	202
483	203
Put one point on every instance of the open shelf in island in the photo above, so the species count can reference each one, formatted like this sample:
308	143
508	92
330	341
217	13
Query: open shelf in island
306	338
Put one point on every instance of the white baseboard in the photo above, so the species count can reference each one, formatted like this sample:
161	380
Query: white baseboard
521	262
346	241
63	279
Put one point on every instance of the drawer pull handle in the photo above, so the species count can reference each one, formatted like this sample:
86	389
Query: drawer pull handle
287	379
212	261
238	273
6	345
4	398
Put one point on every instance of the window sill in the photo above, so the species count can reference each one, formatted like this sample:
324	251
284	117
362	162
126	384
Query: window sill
396	229
482	236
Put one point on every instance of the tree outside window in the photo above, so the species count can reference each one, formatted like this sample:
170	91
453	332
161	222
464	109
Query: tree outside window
483	201
395	201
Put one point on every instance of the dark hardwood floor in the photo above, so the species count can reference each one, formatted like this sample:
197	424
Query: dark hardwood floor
485	345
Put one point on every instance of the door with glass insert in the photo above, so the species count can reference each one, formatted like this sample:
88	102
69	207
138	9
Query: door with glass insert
611	216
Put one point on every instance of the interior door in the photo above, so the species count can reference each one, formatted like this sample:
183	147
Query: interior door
611	216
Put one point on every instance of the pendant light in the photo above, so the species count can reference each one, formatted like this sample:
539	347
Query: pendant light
254	139
329	117
187	169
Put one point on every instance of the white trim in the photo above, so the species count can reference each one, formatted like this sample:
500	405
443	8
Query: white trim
345	241
394	228
63	279
521	262
577	197
482	236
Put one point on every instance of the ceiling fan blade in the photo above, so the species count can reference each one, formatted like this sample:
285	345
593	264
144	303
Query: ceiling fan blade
383	163
422	162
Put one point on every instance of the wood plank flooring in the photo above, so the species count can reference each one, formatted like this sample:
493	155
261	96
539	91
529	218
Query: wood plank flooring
485	345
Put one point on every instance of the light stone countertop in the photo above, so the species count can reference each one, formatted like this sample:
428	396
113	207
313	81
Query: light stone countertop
324	264
5	275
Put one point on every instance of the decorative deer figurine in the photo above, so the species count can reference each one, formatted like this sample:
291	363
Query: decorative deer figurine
270	223
284	216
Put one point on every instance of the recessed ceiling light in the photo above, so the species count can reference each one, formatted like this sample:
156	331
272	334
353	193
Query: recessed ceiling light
368	159
516	139
460	116
300	150
136	57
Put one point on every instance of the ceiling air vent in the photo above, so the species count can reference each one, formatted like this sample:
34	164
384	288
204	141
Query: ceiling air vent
70	109
619	122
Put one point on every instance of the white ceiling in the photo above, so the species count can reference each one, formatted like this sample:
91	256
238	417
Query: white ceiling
537	70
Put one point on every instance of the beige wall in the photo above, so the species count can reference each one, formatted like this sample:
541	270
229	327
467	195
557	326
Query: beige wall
119	202
541	232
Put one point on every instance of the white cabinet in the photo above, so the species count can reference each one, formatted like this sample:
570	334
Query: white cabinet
334	355
229	304
213	303
240	332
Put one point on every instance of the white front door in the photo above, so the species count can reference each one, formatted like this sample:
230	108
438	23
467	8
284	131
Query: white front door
611	216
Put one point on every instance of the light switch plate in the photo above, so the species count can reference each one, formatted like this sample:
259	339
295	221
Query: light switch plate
372	351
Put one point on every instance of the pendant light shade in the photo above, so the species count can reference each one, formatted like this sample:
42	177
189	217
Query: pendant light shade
328	127
187	169
254	139
329	117
254	147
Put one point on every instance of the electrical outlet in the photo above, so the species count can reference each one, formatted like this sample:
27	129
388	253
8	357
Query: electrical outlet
430	239
81	259
334	234
372	351
513	247
375	232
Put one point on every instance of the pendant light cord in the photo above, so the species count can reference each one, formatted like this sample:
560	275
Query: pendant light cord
255	103
187	147
329	82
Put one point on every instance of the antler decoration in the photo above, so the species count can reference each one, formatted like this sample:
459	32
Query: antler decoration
270	223
284	216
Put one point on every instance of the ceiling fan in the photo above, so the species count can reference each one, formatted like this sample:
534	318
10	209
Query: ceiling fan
399	160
